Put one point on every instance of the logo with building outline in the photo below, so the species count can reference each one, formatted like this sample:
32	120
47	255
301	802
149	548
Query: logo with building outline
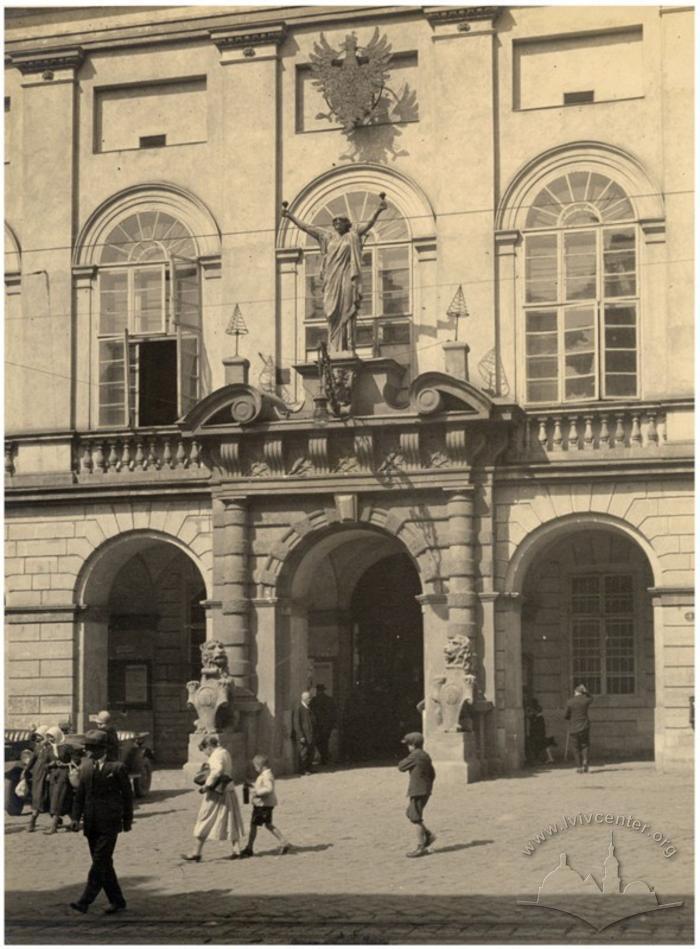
600	905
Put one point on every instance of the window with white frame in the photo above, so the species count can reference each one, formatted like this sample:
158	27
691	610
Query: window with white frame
581	293
602	633
149	322
384	322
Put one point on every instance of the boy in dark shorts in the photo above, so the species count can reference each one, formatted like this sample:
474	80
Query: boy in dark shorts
420	787
264	800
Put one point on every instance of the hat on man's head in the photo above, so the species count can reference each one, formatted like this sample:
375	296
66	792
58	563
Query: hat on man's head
581	690
102	718
95	739
413	738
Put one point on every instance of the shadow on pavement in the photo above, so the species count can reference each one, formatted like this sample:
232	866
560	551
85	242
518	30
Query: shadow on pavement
221	916
155	797
453	847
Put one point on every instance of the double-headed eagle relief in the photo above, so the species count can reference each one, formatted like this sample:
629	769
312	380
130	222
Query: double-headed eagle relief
351	79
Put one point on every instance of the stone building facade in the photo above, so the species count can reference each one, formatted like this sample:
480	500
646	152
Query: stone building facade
513	467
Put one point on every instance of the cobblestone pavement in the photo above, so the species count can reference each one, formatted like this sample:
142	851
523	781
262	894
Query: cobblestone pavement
348	880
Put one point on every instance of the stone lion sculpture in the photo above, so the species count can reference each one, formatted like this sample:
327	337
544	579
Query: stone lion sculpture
459	653
211	696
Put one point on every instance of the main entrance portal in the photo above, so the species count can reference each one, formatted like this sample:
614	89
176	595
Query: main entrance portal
387	660
356	628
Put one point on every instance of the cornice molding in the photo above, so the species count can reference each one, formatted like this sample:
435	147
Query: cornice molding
435	15
35	61
244	38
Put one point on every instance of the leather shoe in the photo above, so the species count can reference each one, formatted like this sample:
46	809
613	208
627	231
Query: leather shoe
115	908
192	857
246	853
430	841
418	852
79	907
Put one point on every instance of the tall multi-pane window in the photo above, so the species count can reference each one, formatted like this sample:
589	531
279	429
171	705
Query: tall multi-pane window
149	322
581	292
602	633
383	325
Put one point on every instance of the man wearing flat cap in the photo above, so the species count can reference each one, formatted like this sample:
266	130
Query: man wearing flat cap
420	786
579	725
104	800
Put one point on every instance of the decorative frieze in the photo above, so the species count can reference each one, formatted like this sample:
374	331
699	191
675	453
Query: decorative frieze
246	39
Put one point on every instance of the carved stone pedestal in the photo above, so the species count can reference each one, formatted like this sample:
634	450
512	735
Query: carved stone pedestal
455	757
374	384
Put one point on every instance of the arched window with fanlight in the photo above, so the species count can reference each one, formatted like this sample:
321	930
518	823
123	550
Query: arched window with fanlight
149	321
581	291
383	324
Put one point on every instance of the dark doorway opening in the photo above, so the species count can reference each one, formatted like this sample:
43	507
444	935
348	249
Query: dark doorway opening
387	660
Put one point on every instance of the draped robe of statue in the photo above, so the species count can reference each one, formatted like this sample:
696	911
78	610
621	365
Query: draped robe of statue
341	278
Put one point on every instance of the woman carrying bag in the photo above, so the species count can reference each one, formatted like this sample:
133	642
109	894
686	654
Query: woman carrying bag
219	815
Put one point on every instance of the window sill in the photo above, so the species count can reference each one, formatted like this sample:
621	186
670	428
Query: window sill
576	105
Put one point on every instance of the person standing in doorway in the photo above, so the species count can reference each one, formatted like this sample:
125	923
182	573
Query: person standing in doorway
420	786
104	800
325	716
304	733
579	725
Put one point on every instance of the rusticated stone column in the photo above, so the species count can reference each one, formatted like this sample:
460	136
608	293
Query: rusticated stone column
232	623
462	598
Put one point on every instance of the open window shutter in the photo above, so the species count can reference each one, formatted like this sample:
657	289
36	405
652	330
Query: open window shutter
185	307
113	378
187	372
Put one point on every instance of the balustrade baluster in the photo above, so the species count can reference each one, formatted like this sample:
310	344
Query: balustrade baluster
572	437
181	455
620	430
152	456
195	459
557	437
588	432
125	463
542	436
604	435
167	454
652	431
99	456
636	434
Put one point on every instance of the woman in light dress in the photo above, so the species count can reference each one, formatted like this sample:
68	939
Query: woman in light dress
219	815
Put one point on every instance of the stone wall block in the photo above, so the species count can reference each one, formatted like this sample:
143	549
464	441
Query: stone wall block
22	704
58	686
55	667
22	669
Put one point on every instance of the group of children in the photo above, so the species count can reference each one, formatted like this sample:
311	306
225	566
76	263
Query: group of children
219	816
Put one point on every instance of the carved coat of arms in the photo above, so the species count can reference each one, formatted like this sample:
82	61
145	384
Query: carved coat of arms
352	78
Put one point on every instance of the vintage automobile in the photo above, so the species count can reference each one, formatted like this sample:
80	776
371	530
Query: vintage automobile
133	751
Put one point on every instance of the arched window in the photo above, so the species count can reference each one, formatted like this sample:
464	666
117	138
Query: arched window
383	325
149	321
581	291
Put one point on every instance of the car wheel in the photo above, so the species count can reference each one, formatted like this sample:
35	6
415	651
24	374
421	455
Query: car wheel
142	781
13	805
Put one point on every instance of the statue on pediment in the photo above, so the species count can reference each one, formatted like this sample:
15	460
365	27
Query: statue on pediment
341	272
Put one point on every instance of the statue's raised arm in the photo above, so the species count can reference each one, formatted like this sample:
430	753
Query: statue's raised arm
309	229
368	225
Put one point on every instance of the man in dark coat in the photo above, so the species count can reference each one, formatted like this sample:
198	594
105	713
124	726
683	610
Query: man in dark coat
325	717
420	786
304	733
579	725
103	720
104	800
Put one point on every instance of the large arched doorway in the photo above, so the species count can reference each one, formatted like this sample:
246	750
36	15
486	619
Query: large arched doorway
587	618
387	659
353	625
139	640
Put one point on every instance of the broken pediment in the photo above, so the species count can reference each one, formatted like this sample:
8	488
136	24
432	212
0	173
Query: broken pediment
434	392
234	404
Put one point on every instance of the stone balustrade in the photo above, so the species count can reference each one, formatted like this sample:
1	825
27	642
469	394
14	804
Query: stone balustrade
601	428
135	453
